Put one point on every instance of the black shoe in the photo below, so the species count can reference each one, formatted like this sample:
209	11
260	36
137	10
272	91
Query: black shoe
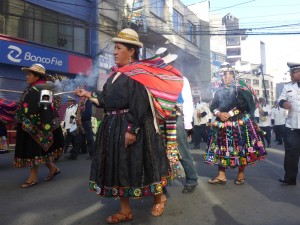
279	143
188	189
284	181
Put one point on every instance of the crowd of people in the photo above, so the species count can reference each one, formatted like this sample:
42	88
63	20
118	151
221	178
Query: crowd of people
142	144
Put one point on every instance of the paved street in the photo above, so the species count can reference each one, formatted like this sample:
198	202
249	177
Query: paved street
66	200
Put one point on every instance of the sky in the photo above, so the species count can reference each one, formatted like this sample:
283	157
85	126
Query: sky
269	16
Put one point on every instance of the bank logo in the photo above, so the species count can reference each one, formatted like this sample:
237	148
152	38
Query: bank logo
14	53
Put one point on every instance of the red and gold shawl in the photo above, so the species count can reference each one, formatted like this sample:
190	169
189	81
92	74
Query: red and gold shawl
162	80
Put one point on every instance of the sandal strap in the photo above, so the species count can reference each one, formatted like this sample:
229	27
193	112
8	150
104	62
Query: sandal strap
119	217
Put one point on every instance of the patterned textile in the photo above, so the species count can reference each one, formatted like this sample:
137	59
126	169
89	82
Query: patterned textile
162	80
36	121
169	131
234	143
7	110
3	145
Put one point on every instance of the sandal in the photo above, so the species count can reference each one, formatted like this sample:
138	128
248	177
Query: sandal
51	176
29	184
119	217
217	181
159	208
239	181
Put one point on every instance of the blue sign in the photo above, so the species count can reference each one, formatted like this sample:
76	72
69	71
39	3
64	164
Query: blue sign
26	55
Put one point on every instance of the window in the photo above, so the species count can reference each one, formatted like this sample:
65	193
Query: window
233	51
232	41
157	7
255	82
248	81
43	26
177	21
191	30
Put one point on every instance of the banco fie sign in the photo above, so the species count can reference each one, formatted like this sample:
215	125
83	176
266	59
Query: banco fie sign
25	55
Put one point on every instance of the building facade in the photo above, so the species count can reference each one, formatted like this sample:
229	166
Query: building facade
58	35
164	23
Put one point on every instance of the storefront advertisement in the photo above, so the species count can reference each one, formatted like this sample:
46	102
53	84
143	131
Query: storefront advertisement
25	55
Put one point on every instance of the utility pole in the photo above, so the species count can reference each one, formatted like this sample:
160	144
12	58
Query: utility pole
263	79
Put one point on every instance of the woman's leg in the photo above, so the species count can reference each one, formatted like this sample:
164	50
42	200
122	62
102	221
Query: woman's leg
32	179
54	170
241	174
33	174
159	204
124	214
52	167
221	178
125	206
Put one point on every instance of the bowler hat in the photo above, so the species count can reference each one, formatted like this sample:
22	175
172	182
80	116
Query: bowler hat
36	68
165	55
128	36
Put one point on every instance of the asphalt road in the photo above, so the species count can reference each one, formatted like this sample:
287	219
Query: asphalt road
262	200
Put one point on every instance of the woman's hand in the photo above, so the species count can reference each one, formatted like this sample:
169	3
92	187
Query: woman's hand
224	116
83	93
129	139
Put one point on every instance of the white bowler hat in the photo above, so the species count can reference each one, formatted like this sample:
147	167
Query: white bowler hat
128	36
165	55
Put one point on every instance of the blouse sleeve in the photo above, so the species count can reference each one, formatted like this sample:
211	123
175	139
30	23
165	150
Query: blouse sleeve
215	102
100	97
138	104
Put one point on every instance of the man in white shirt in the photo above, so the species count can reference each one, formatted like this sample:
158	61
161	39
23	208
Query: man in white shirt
263	117
69	121
290	100
201	119
278	118
183	126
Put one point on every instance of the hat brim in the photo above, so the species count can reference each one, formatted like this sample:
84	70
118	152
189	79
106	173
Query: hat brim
28	69
169	58
121	40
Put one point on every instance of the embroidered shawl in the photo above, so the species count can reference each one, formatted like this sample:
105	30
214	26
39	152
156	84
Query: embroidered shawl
162	80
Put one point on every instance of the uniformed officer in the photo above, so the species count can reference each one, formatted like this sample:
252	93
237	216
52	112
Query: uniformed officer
278	118
290	100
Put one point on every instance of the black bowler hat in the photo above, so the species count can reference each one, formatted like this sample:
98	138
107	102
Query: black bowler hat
293	66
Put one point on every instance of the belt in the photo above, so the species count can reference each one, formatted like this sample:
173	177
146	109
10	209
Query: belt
116	112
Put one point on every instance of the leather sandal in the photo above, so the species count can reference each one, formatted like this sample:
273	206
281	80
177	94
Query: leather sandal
217	181
239	181
29	184
51	176
119	217
159	208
